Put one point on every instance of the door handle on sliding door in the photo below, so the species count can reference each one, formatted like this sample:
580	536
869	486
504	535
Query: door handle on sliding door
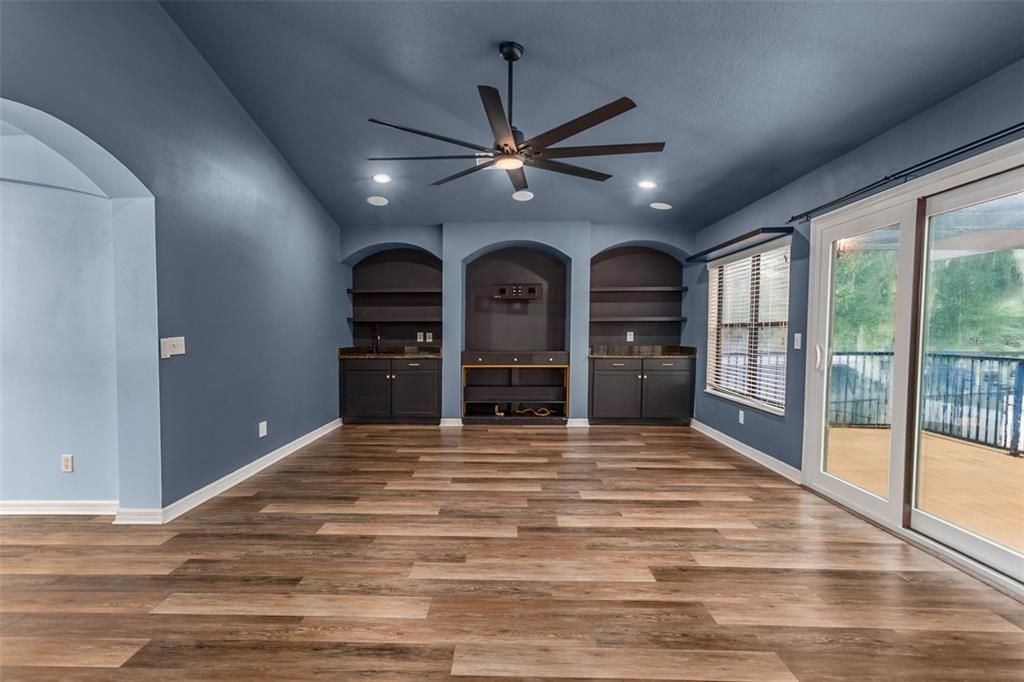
817	356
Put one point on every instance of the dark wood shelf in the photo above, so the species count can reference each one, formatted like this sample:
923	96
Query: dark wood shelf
396	319
666	318
638	290
394	291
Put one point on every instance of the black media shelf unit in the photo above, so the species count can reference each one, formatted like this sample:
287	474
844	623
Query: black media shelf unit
515	330
530	387
636	289
396	294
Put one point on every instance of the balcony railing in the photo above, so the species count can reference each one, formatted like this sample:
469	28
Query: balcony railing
976	398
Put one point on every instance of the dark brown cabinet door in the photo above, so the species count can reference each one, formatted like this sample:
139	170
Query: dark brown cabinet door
616	394
415	393
367	393
666	395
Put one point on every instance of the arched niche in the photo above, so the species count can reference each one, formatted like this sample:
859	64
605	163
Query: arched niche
497	321
636	290
396	296
46	165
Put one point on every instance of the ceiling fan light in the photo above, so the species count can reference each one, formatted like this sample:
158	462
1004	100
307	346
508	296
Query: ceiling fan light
660	206
522	195
509	162
647	184
382	178
377	201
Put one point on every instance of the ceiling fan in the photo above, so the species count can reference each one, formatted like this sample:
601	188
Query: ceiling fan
511	150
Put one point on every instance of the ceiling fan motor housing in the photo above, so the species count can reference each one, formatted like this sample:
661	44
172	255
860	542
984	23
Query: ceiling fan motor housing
511	51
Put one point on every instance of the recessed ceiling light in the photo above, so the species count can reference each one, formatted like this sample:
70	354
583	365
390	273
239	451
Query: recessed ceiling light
377	201
522	195
382	178
508	162
647	184
661	206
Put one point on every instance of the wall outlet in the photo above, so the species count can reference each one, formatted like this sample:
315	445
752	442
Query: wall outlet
629	337
741	416
798	341
419	337
172	345
263	429
430	337
67	463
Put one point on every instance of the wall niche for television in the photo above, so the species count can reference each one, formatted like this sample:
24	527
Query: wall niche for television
636	289
395	294
498	321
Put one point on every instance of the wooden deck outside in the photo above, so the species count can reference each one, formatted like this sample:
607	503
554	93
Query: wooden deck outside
976	487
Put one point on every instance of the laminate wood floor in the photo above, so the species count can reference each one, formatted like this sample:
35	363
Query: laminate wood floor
407	553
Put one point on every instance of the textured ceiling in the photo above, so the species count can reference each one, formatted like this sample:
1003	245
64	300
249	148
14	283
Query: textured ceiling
747	95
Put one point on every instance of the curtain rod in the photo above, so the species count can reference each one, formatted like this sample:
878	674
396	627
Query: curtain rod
909	171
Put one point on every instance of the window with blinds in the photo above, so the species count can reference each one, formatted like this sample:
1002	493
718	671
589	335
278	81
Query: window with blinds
748	314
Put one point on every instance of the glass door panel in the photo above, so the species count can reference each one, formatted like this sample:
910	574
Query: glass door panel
969	475
862	316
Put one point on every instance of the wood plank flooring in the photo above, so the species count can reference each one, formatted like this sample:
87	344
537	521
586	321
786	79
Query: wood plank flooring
408	553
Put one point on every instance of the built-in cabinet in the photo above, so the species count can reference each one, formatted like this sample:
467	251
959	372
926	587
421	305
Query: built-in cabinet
642	389
391	390
638	370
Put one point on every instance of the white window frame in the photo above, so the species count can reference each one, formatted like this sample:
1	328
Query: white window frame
710	388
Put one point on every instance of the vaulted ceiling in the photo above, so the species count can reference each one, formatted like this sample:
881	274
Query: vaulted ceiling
747	95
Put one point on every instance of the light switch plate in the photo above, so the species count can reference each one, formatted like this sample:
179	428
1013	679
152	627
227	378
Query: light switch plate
741	416
430	337
629	337
67	463
263	429
172	345
798	341
419	337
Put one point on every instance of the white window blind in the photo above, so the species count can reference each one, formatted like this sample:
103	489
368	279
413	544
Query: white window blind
748	314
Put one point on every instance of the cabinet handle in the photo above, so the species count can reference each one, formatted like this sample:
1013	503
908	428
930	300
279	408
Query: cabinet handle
639	376
515	359
479	359
551	359
618	364
414	364
645	376
667	364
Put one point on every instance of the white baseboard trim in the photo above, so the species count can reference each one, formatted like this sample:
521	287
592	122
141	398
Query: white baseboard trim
57	507
578	423
139	516
450	422
211	490
767	461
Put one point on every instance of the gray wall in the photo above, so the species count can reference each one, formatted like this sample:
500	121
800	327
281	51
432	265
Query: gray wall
992	104
247	260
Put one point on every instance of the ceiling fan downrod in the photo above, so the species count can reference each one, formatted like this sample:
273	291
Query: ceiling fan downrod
511	52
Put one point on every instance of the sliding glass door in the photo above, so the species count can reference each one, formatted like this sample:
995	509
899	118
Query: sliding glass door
968	487
914	401
855	371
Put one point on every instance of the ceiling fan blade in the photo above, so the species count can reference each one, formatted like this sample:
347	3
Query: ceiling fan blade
601	150
518	178
496	117
423	158
578	125
442	138
559	167
472	169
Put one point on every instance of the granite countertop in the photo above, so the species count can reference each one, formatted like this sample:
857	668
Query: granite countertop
643	352
366	353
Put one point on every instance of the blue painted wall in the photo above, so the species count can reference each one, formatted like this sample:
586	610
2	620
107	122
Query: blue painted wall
988	106
58	364
247	260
